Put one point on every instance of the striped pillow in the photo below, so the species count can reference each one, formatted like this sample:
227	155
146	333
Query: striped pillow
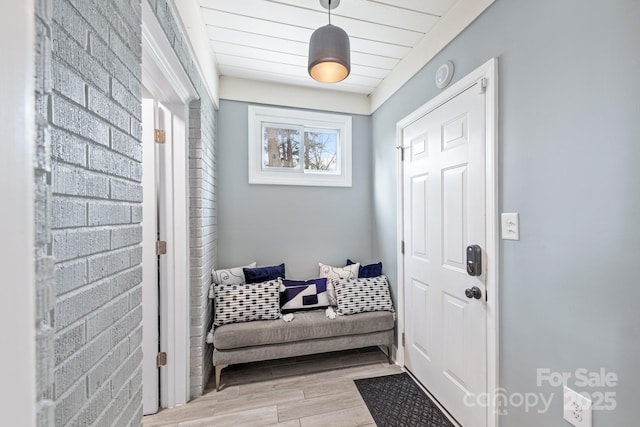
246	302
361	295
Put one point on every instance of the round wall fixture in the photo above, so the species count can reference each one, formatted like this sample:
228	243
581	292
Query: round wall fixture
444	73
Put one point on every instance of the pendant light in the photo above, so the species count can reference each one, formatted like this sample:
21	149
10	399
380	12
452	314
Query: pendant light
329	51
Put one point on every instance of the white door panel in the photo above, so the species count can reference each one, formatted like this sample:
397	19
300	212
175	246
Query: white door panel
454	221
444	212
420	340
419	188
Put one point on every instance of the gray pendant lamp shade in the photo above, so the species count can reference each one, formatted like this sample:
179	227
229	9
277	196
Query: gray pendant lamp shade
329	54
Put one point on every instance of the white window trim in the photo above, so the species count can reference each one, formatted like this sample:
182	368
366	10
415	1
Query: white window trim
257	175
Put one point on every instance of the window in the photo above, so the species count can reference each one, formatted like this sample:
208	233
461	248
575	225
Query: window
293	147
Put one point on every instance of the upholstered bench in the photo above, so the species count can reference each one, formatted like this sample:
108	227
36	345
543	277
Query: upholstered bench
309	332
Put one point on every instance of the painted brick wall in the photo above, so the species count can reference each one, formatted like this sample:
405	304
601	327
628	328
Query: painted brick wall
45	286
203	238
202	200
88	210
93	124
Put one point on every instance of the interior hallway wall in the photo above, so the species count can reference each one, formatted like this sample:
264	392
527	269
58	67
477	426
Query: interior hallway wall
94	126
569	148
43	254
88	206
297	225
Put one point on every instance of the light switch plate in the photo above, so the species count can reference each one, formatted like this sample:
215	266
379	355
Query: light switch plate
510	226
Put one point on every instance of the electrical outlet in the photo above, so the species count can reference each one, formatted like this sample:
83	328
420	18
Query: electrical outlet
577	408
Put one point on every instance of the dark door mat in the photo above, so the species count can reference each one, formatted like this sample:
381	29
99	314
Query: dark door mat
397	401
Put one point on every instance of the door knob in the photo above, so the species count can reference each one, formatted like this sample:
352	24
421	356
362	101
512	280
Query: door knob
474	292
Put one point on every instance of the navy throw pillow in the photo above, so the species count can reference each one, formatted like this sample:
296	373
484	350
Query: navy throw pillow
263	274
368	271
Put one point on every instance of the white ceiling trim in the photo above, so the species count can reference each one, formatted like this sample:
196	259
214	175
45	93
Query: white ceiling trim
163	63
463	13
200	46
271	93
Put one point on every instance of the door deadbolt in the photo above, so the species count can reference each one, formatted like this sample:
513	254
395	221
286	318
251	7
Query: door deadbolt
474	260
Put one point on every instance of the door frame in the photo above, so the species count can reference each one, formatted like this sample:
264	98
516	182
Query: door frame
150	309
166	81
18	393
488	71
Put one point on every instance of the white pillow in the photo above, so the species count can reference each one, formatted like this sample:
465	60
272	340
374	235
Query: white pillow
347	272
364	294
230	276
247	302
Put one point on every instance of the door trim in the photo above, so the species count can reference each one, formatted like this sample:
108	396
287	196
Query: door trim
17	263
150	331
488	71
166	81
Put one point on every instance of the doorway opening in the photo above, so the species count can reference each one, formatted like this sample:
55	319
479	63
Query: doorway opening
167	94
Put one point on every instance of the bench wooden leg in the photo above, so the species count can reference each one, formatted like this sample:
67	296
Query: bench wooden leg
389	355
219	369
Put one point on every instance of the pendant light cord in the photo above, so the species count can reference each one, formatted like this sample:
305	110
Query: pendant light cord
329	12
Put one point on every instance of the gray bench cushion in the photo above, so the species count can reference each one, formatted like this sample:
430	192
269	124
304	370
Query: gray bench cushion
306	325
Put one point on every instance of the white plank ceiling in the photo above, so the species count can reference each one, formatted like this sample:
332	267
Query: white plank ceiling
268	40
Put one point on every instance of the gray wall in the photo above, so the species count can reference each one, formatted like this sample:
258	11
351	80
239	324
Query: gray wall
569	151
88	202
297	225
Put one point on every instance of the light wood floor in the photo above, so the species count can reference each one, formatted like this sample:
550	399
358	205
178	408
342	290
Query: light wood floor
305	391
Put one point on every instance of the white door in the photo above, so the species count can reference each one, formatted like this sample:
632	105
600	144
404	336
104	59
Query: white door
150	294
156	203
165	277
444	212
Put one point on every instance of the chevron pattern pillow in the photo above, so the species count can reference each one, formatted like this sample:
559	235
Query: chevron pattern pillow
361	295
299	295
247	302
